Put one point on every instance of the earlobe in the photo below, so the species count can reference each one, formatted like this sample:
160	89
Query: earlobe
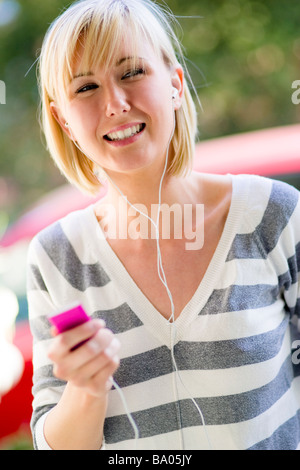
56	113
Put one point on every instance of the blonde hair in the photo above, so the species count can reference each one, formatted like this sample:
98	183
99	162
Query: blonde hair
101	24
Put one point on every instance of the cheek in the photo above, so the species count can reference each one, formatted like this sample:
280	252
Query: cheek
156	104
163	113
83	118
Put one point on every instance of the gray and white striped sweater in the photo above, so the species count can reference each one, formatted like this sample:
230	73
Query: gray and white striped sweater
234	338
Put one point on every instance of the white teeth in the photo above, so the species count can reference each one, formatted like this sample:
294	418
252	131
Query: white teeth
129	132
120	134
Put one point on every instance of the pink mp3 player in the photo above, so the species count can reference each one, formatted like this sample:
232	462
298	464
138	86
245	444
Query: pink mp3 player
68	319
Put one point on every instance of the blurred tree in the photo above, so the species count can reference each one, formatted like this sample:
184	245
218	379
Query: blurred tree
249	55
24	159
243	56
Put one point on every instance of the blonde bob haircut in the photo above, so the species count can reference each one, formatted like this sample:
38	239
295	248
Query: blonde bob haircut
100	26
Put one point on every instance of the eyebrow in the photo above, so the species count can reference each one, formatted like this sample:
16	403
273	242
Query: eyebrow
117	64
82	74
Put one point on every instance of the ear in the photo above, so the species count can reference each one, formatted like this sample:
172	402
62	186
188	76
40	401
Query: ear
178	83
57	114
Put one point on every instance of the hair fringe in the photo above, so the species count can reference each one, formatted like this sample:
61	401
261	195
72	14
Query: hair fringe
85	20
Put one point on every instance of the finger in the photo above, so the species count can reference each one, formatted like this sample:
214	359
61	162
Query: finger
103	340
68	366
98	343
84	332
102	382
112	349
63	343
54	331
107	360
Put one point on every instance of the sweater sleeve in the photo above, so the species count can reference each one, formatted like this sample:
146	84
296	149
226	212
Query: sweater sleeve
46	388
289	278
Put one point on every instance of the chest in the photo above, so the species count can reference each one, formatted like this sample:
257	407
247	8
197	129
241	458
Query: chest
183	268
184	263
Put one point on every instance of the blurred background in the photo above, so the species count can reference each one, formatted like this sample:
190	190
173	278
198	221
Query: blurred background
243	57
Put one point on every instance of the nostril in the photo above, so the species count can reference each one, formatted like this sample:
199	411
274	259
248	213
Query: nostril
117	105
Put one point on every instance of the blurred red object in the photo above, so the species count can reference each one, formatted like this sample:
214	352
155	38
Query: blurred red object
267	152
50	208
15	406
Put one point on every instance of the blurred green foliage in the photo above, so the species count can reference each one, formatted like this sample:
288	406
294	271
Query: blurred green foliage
243	56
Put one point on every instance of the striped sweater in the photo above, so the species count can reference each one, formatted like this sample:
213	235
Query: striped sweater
234	339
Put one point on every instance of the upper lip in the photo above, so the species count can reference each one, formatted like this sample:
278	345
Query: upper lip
124	126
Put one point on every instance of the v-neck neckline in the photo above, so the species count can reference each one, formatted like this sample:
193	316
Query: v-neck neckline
131	294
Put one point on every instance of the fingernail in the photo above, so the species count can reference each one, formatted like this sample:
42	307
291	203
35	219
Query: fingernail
96	325
111	350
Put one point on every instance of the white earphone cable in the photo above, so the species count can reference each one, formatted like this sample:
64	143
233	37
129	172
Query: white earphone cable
162	276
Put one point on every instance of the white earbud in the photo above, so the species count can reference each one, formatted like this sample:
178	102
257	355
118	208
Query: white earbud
175	93
67	125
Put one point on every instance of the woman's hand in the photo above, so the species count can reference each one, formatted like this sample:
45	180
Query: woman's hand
91	365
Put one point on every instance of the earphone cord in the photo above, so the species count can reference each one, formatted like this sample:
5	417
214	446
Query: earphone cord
162	276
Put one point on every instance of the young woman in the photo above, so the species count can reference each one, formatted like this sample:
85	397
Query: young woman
189	347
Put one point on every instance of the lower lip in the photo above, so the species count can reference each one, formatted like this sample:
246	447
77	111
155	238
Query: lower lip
128	141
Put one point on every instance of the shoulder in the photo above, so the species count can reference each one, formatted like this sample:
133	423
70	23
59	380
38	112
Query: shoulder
274	198
269	219
212	190
259	193
65	253
272	211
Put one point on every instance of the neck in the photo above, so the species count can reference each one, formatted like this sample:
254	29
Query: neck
145	190
142	195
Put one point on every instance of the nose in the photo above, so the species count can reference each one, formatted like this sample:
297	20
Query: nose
116	102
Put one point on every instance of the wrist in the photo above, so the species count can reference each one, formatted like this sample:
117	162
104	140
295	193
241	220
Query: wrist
84	398
77	421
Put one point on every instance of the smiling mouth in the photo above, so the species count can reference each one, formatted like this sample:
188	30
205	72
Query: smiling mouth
125	134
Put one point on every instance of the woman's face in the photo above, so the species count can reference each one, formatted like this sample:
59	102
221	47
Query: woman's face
123	117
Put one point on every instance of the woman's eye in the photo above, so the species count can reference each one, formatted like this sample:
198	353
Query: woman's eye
133	73
86	88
